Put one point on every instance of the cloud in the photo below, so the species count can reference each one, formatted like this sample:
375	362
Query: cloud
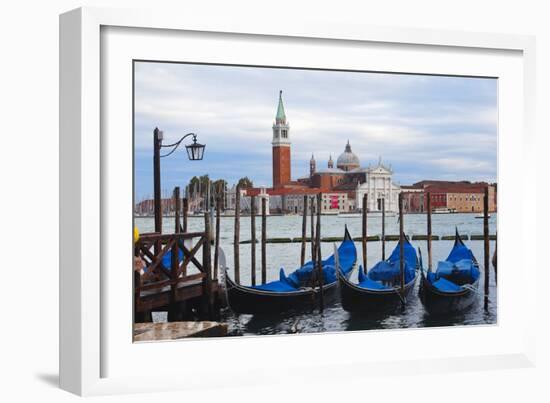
426	126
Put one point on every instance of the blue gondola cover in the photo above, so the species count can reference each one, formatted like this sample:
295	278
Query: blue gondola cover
458	269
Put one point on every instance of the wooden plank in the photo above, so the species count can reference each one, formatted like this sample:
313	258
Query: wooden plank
190	254
158	257
151	238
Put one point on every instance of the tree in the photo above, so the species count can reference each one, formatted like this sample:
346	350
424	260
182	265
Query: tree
219	187
245	183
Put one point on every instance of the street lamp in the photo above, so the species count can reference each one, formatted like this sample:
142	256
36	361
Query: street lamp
195	152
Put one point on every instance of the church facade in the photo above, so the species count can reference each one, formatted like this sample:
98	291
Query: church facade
342	186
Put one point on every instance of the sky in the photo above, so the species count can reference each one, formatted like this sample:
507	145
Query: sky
425	127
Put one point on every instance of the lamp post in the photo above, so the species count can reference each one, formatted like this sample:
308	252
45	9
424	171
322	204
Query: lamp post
195	152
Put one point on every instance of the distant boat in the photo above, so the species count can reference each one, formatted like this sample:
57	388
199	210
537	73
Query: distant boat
443	210
350	215
379	213
482	216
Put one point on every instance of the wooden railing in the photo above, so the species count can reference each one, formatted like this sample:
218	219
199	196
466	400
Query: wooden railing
159	279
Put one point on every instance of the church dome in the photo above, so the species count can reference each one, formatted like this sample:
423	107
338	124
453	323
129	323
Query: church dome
347	161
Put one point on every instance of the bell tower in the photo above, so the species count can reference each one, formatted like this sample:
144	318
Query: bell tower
281	147
312	165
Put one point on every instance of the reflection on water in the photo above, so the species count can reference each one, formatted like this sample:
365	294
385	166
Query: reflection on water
334	318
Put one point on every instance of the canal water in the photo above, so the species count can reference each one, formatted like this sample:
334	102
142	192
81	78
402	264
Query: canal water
334	318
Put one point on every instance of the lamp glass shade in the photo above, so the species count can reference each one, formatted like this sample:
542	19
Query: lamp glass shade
195	151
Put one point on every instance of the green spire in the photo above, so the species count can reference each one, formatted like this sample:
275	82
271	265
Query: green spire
281	117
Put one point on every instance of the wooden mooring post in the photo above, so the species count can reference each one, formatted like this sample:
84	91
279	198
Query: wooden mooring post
206	262
217	236
401	248
429	214
236	235
264	240
383	229
174	313
313	242
319	255
253	240
185	209
486	255
494	260
304	230
364	238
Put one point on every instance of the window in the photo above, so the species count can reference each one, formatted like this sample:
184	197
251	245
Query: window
284	133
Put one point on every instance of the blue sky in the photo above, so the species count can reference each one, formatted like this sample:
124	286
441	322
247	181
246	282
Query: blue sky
426	127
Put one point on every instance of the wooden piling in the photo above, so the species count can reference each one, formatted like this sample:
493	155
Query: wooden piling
253	240
313	242
206	263
217	236
401	247
494	260
177	223
364	238
264	239
173	314
486	244
319	258
429	213
184	214
184	228
304	230
383	229
236	235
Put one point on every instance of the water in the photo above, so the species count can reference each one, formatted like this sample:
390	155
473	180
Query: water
334	317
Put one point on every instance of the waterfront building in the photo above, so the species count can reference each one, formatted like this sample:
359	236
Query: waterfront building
245	200
448	196
379	187
342	187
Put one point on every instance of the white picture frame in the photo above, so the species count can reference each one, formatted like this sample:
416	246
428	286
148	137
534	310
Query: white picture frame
95	358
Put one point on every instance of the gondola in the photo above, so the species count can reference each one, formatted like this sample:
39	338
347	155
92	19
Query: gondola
453	286
292	292
379	289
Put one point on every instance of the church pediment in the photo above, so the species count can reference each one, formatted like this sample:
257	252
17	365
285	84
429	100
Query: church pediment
380	170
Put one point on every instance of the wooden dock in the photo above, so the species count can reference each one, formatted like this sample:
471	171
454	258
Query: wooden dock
146	332
173	288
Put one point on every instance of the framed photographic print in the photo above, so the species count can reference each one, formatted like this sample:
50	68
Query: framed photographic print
327	186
